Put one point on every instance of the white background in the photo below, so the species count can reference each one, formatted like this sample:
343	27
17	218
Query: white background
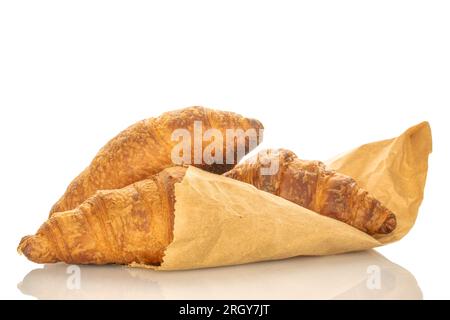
323	76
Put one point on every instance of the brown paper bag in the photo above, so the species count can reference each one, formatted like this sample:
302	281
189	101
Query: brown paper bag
220	221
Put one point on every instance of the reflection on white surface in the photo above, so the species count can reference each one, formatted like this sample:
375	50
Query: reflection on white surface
360	275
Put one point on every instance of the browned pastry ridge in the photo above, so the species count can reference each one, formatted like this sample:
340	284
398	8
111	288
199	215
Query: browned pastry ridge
132	224
311	185
145	149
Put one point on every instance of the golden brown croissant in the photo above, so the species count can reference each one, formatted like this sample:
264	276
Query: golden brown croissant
311	185
132	224
145	149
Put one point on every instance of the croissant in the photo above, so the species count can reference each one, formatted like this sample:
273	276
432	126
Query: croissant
311	185
122	226
146	147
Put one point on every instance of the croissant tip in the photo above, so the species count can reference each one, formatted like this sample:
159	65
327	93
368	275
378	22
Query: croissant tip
389	224
21	245
254	123
37	249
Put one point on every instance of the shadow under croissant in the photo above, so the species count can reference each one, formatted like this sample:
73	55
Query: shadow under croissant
358	275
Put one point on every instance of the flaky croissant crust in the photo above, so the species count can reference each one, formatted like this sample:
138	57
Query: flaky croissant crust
145	149
122	226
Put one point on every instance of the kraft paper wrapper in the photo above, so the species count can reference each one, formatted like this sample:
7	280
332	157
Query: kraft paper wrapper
394	171
220	221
